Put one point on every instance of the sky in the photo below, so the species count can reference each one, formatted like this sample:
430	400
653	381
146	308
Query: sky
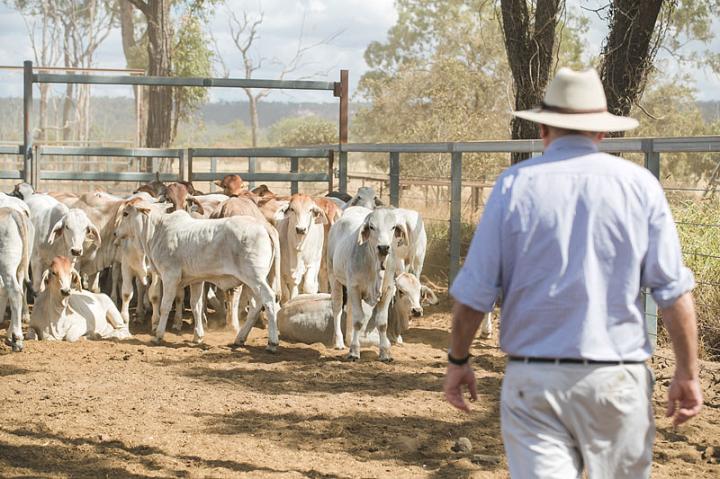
349	24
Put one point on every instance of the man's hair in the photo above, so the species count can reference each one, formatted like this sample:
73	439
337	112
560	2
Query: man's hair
565	131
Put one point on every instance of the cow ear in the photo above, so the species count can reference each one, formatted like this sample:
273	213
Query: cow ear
44	280
56	231
218	183
143	209
75	281
94	234
378	202
401	234
320	216
194	201
364	234
428	296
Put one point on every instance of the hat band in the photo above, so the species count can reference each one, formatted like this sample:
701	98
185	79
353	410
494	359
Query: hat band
570	111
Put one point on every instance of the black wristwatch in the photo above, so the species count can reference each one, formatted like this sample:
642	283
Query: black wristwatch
458	362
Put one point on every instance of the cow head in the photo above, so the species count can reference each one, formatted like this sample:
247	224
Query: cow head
262	191
302	213
131	218
74	228
22	191
366	198
380	230
232	185
60	278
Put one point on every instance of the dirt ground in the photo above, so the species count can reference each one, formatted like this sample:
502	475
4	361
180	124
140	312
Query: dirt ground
134	410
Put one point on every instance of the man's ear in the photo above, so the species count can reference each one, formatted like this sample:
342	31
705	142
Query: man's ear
75	281
55	232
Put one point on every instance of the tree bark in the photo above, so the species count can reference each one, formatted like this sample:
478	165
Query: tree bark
529	50
129	43
254	119
629	52
160	99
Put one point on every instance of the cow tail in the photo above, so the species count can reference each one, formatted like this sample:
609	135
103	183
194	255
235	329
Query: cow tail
23	271
275	273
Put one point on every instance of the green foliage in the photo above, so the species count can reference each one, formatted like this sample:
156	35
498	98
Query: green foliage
303	131
192	57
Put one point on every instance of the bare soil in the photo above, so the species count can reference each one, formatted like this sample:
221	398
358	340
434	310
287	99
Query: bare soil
134	410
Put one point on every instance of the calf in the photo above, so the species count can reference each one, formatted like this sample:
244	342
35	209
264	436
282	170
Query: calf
361	258
232	185
412	252
61	313
14	262
301	242
185	251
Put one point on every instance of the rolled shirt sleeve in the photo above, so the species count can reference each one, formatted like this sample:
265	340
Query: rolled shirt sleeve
663	269
477	285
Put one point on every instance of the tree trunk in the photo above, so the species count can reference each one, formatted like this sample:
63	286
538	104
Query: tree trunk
529	50
629	52
159	120
127	33
67	118
254	121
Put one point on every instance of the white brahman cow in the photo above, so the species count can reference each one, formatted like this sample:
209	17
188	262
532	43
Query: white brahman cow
61	313
15	234
361	258
412	251
226	252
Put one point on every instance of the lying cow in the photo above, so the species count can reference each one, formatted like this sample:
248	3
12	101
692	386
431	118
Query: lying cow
308	318
15	237
361	259
60	313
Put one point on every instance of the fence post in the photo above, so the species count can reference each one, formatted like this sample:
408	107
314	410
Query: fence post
652	163
189	164
455	210
182	171
293	169
251	170
27	122
331	170
342	172
35	167
395	178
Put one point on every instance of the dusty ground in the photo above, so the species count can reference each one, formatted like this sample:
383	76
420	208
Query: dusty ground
103	409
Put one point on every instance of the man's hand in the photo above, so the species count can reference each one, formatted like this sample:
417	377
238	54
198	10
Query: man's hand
684	399
455	377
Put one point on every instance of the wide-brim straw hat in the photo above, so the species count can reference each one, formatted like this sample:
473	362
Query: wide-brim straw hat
576	101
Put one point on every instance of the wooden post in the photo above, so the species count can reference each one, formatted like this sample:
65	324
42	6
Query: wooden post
293	169
331	170
27	122
395	179
652	163
341	91
455	212
251	171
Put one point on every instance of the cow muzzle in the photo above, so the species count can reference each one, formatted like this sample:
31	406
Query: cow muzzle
300	231
76	251
65	292
383	250
417	312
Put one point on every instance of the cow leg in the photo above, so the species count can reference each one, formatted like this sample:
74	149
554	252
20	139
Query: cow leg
116	277
3	306
94	282
155	293
381	321
252	316
127	291
310	281
197	292
37	271
323	281
179	307
266	297
15	295
213	301
486	328
232	301
358	319
140	306
170	285
337	307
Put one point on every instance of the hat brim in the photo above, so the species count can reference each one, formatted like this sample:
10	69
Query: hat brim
599	122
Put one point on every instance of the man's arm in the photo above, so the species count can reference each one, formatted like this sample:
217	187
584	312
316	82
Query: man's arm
685	395
465	324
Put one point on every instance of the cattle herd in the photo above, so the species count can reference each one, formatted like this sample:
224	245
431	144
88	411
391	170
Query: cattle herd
322	269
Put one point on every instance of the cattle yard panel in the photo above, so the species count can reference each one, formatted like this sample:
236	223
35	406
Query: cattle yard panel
13	174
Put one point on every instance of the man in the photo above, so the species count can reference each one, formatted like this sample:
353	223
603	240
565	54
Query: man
570	238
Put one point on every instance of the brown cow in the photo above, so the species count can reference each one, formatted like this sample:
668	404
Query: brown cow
232	185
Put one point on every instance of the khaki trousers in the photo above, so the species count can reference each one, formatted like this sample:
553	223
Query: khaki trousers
559	418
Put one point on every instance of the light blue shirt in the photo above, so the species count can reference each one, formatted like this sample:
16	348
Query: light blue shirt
570	238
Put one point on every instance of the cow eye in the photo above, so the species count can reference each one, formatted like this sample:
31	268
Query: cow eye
401	293
125	213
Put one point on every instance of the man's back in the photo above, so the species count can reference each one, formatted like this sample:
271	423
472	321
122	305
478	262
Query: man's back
574	233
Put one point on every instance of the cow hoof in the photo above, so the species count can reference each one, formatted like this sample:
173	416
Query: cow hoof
271	348
353	358
197	339
386	359
157	341
18	347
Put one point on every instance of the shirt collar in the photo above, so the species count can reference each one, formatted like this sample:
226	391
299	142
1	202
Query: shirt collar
572	142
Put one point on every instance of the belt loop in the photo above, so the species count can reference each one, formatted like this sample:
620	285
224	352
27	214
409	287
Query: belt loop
557	361
526	359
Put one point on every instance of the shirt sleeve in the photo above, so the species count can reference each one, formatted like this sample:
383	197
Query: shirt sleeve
663	269
477	285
